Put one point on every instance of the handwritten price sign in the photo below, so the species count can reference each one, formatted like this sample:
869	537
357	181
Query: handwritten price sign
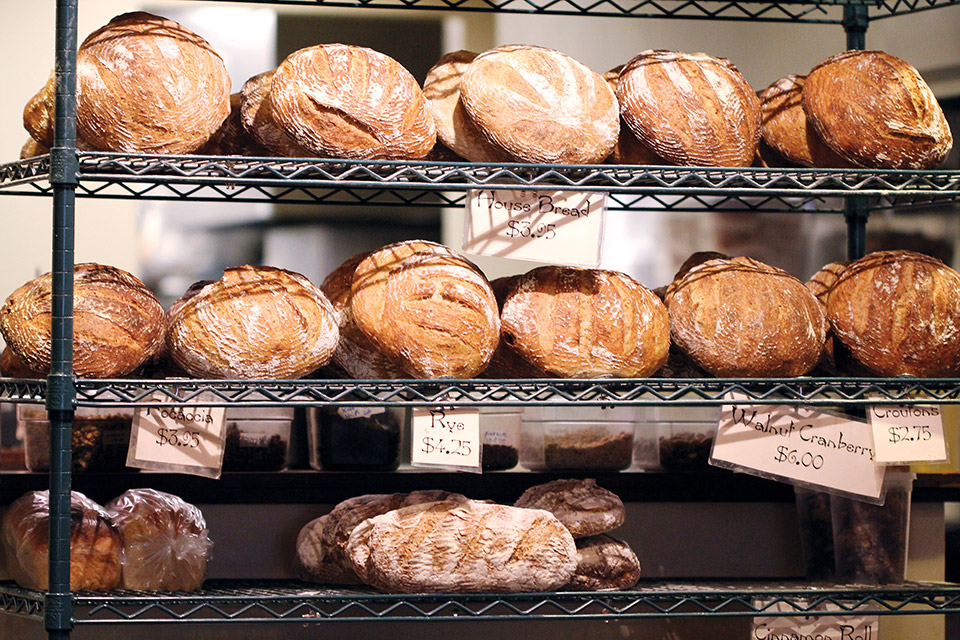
445	437
903	433
178	439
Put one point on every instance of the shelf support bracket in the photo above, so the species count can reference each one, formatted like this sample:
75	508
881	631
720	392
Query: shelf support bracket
856	214
856	18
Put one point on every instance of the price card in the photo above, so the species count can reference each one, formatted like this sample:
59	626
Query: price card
445	437
179	439
908	433
559	227
819	627
801	445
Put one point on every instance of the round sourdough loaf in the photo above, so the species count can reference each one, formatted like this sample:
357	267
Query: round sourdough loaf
232	139
256	115
876	111
540	105
629	149
346	101
690	108
432	311
506	361
583	506
146	84
897	313
573	322
255	322
117	322
739	317
455	129
604	562
786	129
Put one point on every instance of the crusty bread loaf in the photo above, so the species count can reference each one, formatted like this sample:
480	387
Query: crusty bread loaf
95	544
255	322
117	322
31	149
604	563
574	322
507	362
897	313
432	311
38	113
232	139
583	506
317	560
351	102
463	546
739	317
540	105
455	129
166	545
785	127
823	280
256	116
629	149
690	109
13	366
876	111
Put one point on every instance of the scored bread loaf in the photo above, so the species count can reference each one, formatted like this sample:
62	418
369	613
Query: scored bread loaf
463	546
690	108
432	311
739	317
506	361
117	322
256	116
95	543
540	105
875	110
455	129
896	312
316	559
629	149
583	506
604	563
574	322
346	101
232	139
255	322
166	545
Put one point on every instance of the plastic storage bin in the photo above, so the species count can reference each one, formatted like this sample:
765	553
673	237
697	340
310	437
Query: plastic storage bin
685	434
355	438
500	437
577	438
257	439
101	437
816	533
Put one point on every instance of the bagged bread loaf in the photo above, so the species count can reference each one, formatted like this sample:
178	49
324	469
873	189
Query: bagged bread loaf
574	322
463	546
604	563
117	322
255	322
95	543
583	506
166	545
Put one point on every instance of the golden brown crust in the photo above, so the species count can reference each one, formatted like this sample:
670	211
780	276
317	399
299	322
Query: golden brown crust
574	322
785	127
232	139
38	113
540	105
117	322
255	322
896	312
629	149
351	102
876	111
739	317
147	84
506	361
31	149
432	311
690	109
256	116
455	129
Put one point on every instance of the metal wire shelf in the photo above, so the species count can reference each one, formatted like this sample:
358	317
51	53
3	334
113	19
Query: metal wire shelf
548	391
446	184
292	601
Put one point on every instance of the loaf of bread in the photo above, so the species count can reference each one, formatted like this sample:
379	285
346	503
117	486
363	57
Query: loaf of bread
145	84
455	129
346	101
463	546
430	310
117	322
166	545
256	116
255	322
507	362
574	322
232	139
896	312
583	506
13	366
540	105
875	110
95	544
317	560
31	149
786	128
604	563
739	317
690	109
629	149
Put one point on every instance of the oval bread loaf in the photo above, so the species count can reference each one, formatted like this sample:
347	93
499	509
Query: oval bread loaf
876	111
583	506
463	546
540	105
690	108
604	563
346	101
629	149
256	115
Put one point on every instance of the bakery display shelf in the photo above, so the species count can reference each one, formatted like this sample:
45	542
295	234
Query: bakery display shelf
22	390
446	184
293	601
